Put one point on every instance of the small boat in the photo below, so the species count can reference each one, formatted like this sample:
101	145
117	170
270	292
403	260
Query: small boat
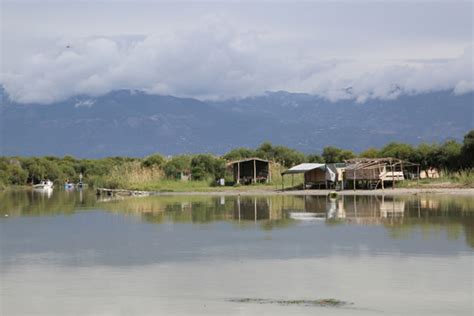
68	185
80	185
44	185
305	216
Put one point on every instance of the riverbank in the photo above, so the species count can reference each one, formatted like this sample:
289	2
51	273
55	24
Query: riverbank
272	191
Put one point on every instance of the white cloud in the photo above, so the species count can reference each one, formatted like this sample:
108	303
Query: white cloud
216	57
84	103
463	87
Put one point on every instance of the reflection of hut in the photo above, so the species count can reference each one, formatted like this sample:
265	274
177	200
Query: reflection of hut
392	209
335	209
250	170
252	208
429	203
317	174
373	172
370	210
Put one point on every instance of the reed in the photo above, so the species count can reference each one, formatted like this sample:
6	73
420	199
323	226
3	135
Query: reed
129	175
461	178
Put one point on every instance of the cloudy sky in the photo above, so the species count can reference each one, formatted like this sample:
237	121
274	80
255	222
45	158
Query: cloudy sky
52	50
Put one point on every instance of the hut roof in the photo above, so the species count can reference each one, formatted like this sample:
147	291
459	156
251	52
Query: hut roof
304	167
367	163
247	159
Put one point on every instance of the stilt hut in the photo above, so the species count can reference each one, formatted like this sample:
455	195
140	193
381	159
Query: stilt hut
314	173
318	175
250	170
374	172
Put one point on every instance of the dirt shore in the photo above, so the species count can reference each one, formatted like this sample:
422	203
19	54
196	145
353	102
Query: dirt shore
401	191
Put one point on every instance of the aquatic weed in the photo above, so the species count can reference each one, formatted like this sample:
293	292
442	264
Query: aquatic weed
325	302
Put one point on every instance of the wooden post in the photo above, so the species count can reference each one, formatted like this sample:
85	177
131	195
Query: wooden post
401	166
292	181
238	172
354	180
343	173
419	209
254	171
269	203
383	180
282	182
238	206
418	174
393	175
355	206
269	174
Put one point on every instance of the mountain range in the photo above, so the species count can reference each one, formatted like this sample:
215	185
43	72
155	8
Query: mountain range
133	123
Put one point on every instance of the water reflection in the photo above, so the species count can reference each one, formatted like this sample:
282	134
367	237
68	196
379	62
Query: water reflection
71	253
400	215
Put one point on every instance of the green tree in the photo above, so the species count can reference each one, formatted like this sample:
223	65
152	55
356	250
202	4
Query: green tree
448	156
266	151
398	150
333	154
36	170
288	157
239	153
467	150
205	166
67	171
16	174
315	158
370	153
176	165
155	160
284	155
425	155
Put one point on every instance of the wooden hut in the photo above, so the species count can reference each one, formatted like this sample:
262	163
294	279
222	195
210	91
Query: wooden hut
373	172
318	175
250	170
314	173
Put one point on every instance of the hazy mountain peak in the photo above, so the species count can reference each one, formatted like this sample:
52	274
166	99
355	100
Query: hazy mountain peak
135	123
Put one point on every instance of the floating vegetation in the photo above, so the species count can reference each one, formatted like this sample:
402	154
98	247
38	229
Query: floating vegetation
325	302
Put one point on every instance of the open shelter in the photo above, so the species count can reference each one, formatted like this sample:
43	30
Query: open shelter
250	170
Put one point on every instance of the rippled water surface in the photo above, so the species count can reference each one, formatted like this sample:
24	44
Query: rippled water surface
69	253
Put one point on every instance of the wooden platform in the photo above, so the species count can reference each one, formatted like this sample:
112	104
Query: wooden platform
121	192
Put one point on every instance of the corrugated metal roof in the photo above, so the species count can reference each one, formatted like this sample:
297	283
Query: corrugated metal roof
304	167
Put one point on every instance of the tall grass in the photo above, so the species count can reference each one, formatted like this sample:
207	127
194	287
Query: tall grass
134	176
129	175
462	178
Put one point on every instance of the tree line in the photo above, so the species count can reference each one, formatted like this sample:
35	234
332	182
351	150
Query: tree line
450	156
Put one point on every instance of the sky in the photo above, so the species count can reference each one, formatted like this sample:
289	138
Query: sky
53	50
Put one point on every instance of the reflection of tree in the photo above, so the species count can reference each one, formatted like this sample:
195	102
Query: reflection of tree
402	216
432	215
33	203
277	223
469	231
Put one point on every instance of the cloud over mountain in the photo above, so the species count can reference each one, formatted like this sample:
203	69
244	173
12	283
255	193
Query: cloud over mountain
217	58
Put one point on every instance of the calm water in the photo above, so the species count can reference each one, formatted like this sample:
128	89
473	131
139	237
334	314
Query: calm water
71	254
